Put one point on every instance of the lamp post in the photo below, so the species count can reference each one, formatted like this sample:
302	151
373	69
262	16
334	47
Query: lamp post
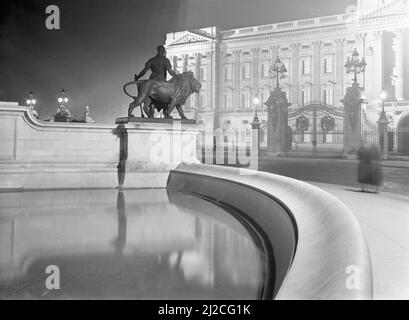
277	69
256	101
355	65
383	127
31	102
352	102
62	99
255	137
63	114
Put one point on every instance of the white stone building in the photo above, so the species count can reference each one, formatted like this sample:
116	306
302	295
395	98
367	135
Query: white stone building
233	65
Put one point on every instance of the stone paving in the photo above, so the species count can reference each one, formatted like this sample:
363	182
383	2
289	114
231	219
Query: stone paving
384	218
337	171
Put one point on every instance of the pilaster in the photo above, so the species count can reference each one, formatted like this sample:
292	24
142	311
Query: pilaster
295	60
316	95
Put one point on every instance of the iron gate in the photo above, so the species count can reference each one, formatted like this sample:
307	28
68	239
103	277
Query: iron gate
317	127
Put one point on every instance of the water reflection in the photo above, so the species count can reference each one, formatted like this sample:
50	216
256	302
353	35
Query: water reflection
150	245
120	240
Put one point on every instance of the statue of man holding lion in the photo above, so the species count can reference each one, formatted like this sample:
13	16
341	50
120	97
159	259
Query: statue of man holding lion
159	93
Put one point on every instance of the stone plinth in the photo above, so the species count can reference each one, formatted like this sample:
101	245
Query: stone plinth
352	120
383	134
277	123
150	148
59	155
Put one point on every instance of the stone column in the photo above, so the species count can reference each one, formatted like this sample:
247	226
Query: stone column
209	64
185	60
352	120
236	79
173	60
383	132
255	71
316	94
216	75
277	123
197	76
398	71
339	69
255	143
295	74
378	72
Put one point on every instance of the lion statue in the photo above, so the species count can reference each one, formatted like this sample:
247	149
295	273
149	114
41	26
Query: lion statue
163	95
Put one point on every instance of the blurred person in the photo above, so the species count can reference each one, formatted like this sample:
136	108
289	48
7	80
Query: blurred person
375	167
364	167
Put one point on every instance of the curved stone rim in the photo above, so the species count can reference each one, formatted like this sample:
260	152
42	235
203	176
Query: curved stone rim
330	239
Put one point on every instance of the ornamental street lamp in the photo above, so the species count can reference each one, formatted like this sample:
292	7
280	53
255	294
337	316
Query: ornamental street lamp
354	65
256	101
31	102
277	71
63	114
255	137
62	99
383	95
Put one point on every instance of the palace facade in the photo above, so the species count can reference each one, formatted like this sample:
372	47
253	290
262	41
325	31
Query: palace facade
233	65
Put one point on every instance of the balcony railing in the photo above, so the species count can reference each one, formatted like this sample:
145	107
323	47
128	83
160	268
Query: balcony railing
288	25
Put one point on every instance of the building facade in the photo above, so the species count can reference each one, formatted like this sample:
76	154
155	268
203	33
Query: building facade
233	65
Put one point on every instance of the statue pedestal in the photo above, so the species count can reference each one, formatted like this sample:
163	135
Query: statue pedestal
352	121
150	148
277	123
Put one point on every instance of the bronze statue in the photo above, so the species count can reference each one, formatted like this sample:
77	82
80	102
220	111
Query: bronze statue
159	66
160	93
165	95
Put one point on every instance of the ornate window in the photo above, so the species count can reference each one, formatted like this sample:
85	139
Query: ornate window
328	64
245	99
245	70
227	100
228	72
179	63
328	95
265	67
306	96
306	65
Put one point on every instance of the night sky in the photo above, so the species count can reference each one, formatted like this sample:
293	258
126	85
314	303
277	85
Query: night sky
103	43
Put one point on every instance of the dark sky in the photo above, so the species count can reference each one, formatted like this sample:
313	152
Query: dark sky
102	43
